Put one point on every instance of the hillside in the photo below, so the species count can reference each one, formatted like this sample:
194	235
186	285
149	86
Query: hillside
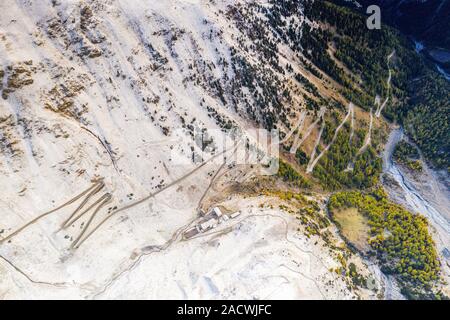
115	112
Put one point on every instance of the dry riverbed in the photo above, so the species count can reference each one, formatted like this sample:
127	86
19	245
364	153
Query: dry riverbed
425	193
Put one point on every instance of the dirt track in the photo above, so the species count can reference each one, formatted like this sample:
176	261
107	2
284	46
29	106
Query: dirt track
135	203
72	200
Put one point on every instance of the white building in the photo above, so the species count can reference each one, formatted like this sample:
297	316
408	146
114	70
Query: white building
208	224
234	215
217	212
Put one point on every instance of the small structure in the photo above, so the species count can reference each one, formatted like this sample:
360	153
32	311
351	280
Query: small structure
235	214
217	212
208	224
191	232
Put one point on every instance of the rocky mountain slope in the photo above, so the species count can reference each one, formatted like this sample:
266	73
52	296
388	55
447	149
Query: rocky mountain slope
108	97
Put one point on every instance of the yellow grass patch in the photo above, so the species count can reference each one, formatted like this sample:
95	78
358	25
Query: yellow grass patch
353	226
